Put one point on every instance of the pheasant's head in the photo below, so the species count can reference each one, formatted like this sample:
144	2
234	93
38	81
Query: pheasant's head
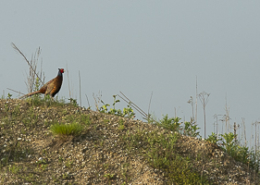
61	70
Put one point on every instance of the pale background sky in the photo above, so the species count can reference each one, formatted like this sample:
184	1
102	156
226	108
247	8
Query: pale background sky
140	47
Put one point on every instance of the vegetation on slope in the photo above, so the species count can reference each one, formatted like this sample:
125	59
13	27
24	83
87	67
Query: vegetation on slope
46	142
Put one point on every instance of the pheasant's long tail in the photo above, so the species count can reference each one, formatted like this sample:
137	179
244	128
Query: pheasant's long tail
30	94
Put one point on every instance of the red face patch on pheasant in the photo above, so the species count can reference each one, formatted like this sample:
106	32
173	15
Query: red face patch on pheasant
61	70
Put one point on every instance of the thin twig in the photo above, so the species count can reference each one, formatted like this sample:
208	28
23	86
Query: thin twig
97	101
15	91
87	100
16	48
132	103
127	100
68	80
150	103
80	89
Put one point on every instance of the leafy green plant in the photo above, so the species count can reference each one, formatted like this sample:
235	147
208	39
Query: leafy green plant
121	124
228	141
73	129
253	160
127	112
9	96
172	124
191	129
213	138
73	102
104	108
239	153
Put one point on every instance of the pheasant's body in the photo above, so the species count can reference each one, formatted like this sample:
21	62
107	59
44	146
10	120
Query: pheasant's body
52	87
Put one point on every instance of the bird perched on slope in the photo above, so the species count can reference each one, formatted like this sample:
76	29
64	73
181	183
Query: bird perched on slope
52	87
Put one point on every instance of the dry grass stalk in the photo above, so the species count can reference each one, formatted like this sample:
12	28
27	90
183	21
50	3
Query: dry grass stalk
97	99
87	101
31	77
80	89
70	91
132	104
16	91
204	100
150	104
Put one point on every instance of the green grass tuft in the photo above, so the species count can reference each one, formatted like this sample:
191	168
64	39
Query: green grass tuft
73	129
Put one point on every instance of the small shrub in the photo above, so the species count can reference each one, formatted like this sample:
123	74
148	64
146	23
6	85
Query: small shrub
191	129
253	157
213	138
172	124
239	153
9	96
228	141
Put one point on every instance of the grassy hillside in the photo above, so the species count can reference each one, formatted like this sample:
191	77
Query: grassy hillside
44	142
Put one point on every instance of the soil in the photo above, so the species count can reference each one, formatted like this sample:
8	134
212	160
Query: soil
31	154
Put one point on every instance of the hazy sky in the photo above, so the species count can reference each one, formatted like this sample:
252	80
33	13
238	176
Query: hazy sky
140	47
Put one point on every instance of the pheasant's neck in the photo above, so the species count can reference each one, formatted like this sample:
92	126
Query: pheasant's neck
59	74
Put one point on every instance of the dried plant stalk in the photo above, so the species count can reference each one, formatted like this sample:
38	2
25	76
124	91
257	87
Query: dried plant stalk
33	75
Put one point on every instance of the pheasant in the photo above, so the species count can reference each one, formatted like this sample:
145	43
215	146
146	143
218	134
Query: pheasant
52	87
